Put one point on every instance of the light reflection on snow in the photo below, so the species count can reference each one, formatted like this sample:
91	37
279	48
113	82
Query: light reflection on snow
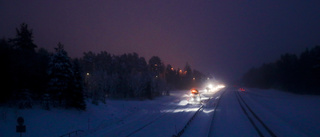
179	110
183	103
185	95
208	111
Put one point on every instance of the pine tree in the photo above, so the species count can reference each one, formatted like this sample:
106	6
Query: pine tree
24	65
77	99
156	66
24	39
60	76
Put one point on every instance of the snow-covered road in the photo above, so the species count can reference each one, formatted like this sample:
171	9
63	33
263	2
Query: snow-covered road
166	120
225	113
285	114
230	119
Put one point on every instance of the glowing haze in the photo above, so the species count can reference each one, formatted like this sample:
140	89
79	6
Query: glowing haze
224	37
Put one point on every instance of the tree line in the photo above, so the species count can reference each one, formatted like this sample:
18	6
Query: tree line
53	79
293	73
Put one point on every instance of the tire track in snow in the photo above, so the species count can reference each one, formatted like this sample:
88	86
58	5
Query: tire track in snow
214	113
244	106
207	102
176	108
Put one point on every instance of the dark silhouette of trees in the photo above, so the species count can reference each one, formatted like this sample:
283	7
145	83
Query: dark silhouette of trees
7	83
77	99
156	66
198	79
24	70
36	76
60	76
24	39
171	77
65	81
187	77
124	76
292	73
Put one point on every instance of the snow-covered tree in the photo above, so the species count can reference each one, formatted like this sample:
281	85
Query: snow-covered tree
77	99
138	77
156	66
60	76
99	86
124	76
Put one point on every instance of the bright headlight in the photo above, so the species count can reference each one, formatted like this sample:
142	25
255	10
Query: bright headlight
210	86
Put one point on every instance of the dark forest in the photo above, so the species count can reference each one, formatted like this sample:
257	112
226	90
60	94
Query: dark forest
36	76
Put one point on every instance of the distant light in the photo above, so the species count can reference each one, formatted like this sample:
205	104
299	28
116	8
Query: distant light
208	78
221	86
194	78
210	86
157	76
155	65
88	74
172	69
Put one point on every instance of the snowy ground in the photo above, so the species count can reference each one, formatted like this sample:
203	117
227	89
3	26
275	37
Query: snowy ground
286	114
115	118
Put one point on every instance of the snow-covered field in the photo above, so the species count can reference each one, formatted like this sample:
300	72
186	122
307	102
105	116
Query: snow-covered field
286	114
115	118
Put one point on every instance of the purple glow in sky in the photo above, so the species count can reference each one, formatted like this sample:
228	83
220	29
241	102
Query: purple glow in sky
221	37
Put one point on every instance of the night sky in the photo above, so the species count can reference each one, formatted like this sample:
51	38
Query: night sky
222	37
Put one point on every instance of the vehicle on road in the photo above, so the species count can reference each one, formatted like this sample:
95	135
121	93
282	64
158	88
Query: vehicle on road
195	95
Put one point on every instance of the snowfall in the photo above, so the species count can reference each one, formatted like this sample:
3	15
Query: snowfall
218	114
